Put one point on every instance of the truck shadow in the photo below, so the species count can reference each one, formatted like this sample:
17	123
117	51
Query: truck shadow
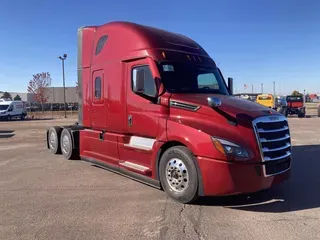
300	192
6	133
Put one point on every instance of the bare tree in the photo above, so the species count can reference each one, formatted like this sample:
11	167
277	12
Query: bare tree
39	86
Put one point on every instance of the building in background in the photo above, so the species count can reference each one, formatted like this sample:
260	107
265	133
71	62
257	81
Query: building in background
55	99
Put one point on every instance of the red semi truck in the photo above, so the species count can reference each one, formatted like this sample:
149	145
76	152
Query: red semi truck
154	106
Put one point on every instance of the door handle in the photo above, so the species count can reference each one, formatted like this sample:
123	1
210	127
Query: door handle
130	121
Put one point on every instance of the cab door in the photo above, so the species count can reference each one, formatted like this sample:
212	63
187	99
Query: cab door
143	116
98	110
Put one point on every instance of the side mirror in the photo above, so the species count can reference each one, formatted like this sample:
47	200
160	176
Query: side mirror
214	102
138	80
230	85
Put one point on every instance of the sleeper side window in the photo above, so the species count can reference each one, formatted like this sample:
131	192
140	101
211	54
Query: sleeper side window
143	82
101	43
97	87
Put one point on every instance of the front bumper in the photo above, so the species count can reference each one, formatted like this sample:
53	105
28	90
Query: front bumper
224	178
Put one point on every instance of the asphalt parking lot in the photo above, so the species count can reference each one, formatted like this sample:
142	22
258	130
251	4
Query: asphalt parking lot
43	196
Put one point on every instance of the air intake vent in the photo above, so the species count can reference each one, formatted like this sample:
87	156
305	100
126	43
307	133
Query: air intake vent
185	106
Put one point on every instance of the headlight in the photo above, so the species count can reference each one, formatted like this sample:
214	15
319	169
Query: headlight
229	148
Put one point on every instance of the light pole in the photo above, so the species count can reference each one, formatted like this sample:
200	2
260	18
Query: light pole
274	88
64	85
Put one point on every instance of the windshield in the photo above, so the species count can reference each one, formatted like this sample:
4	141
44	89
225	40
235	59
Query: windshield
182	77
3	107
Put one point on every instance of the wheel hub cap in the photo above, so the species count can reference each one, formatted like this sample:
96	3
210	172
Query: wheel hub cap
65	144
52	140
177	175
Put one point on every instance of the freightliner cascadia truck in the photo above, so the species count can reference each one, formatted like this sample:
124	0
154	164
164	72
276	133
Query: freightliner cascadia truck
153	106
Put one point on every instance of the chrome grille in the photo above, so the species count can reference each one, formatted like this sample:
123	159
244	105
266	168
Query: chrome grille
273	137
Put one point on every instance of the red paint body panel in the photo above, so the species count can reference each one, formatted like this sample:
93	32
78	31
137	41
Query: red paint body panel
295	104
223	178
194	129
231	105
105	150
108	134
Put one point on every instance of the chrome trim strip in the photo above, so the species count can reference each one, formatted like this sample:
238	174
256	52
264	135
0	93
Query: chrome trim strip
265	149
274	118
278	158
260	130
264	140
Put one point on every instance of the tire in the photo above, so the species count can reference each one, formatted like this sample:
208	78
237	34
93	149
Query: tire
319	112
54	139
66	145
301	115
183	187
9	118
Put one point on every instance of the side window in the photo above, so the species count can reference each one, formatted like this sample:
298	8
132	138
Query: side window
143	82
97	87
207	80
11	108
101	43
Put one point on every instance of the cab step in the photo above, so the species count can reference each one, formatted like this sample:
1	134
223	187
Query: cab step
139	168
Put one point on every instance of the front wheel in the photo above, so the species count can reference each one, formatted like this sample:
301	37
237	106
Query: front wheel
178	174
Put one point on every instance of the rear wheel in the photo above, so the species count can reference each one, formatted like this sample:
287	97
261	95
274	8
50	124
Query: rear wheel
67	147
178	174
54	139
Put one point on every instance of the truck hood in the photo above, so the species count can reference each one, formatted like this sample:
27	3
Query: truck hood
230	105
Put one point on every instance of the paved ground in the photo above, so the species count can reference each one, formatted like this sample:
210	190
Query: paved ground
42	196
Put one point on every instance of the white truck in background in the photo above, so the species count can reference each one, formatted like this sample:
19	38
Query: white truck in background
12	109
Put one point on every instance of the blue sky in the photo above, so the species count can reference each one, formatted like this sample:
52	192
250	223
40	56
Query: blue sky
253	41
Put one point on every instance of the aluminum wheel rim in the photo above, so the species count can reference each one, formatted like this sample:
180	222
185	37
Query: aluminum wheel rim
177	175
65	144
52	140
